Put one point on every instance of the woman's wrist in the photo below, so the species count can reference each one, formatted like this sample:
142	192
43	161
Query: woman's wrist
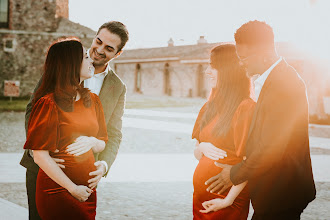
95	141
228	201
98	145
71	187
199	149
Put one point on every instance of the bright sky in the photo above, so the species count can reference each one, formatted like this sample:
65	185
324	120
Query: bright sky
152	22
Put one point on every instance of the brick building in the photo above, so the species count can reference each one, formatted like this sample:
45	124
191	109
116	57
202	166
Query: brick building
27	28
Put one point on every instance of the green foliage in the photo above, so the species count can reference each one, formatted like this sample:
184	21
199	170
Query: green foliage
17	105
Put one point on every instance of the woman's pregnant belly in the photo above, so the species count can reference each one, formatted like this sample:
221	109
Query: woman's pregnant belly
207	169
204	171
77	168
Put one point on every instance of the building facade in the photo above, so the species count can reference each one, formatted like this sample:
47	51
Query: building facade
27	28
174	70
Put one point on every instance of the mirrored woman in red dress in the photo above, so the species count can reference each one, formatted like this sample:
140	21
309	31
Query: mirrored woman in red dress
221	130
64	111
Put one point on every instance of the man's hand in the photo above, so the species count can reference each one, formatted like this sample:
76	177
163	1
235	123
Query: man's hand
98	173
220	182
81	145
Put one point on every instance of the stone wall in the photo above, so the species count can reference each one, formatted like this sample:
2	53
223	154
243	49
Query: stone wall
25	63
31	15
62	8
23	46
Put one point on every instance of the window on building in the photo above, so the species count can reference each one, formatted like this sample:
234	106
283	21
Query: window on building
167	87
9	44
138	78
4	13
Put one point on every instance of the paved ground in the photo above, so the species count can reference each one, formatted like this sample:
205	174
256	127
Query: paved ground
144	186
149	200
145	132
151	178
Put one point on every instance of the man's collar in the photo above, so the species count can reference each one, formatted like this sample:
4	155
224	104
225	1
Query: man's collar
261	79
106	71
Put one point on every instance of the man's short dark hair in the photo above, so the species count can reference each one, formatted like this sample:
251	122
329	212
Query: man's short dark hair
118	28
255	33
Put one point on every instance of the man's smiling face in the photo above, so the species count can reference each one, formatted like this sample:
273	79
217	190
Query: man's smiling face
104	47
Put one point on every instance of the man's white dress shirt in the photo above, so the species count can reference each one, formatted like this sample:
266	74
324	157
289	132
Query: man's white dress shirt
96	81
260	80
95	84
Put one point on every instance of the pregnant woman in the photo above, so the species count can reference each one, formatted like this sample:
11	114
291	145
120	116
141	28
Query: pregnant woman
63	112
222	126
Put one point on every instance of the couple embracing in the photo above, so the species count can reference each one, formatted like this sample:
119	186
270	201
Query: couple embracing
252	143
69	136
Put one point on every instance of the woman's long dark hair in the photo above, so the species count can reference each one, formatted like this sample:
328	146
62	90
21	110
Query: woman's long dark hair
62	74
233	86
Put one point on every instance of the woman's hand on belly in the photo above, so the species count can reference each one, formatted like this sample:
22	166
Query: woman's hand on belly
83	144
80	192
211	151
215	205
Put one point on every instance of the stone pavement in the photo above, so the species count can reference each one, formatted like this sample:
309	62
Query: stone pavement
149	178
149	172
147	168
155	175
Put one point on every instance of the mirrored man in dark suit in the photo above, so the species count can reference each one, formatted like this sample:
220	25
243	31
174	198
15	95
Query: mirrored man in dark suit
278	163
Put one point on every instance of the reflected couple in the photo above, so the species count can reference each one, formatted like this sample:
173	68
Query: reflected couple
252	146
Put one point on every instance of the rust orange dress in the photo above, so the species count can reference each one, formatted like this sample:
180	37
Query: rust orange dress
51	128
233	143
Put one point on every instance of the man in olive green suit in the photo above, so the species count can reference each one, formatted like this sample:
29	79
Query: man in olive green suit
107	45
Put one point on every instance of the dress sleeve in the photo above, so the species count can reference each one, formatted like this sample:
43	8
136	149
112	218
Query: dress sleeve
102	133
241	124
43	126
196	130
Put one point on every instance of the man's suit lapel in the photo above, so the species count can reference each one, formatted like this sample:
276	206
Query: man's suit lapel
273	74
107	94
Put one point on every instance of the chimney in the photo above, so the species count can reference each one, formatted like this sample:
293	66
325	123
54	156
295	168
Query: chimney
62	9
170	42
202	40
